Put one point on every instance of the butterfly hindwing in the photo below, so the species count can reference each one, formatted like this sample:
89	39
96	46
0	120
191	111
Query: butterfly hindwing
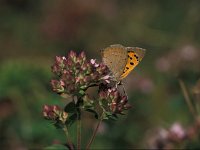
135	55
132	62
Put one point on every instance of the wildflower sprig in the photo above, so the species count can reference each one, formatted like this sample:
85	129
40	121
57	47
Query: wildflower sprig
55	113
112	102
73	76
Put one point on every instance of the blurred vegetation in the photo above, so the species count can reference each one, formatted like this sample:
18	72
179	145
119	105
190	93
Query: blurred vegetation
33	32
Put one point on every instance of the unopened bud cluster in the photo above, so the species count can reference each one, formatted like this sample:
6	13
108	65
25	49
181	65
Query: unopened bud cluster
113	101
54	113
75	74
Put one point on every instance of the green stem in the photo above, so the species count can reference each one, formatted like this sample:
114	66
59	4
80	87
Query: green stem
93	135
78	112
187	98
69	142
79	134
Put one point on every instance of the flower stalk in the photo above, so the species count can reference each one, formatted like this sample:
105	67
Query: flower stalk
93	135
69	142
187	98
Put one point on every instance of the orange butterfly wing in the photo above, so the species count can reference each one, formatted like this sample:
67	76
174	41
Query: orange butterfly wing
132	62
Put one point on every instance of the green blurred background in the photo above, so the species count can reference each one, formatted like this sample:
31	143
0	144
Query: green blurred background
33	32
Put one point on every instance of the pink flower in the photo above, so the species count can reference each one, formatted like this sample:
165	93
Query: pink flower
93	62
177	130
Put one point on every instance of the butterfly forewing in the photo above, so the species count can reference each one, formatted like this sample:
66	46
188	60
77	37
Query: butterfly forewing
135	55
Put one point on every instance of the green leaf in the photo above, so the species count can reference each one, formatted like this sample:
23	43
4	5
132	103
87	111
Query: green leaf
88	103
108	115
113	117
70	107
94	112
81	92
71	119
58	125
56	147
83	87
80	102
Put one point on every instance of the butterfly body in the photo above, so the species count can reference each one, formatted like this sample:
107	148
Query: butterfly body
122	60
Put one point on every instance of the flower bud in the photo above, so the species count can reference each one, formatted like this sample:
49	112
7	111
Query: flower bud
58	86
116	102
87	79
72	54
82	56
56	108
50	112
102	94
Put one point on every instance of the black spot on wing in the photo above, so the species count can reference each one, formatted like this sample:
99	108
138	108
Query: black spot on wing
131	63
130	57
137	58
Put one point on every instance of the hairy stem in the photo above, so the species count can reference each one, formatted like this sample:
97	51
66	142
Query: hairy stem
93	135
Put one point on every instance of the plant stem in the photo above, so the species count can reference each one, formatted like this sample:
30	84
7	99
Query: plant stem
93	135
69	142
79	134
187	98
197	105
78	112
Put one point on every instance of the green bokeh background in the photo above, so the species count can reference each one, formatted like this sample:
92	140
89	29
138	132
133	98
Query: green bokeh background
33	32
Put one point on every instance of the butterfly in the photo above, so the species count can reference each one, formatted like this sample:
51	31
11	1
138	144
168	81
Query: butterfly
122	60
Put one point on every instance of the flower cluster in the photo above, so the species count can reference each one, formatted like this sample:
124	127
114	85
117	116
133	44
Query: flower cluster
170	63
54	113
75	74
112	100
174	136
